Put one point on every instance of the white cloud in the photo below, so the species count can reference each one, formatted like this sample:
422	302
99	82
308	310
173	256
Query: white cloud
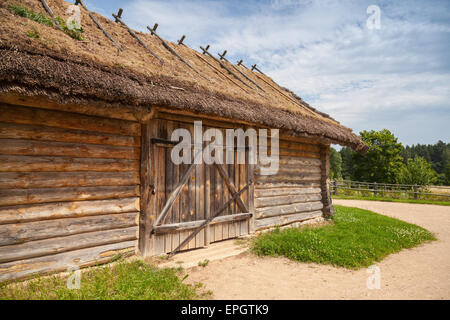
324	52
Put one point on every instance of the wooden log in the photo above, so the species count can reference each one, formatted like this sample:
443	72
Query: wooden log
53	246
12	163
94	108
60	119
24	232
44	148
43	133
60	262
285	191
134	35
284	220
33	180
298	161
288	209
91	15
305	184
10	197
295	170
58	210
299	177
285	200
294	153
176	227
146	190
328	209
50	12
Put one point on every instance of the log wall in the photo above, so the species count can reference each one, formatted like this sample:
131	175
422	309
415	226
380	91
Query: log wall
69	189
294	194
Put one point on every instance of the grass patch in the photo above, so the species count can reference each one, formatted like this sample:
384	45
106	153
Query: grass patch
73	32
27	13
34	33
135	280
357	238
384	199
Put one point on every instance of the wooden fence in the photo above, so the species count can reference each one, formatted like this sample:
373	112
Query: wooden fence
348	187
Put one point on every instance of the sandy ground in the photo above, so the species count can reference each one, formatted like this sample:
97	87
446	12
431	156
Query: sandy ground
419	273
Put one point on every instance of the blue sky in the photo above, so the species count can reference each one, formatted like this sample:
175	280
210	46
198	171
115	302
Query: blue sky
396	77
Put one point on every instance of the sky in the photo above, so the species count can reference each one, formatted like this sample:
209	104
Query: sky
367	70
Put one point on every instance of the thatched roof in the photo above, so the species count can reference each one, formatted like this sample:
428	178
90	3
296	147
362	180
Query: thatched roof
69	70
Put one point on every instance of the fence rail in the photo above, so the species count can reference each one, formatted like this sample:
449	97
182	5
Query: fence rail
367	188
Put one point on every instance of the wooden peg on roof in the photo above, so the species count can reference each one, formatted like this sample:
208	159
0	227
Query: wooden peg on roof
254	67
205	50
239	63
119	15
180	42
222	56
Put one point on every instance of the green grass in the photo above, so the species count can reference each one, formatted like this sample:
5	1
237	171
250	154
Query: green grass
134	280
29	14
384	199
22	11
356	238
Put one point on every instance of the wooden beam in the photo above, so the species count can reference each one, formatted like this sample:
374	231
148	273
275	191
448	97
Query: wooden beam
328	209
91	15
50	12
134	35
230	186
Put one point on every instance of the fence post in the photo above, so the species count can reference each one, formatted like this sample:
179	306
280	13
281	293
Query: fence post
415	192
335	186
375	189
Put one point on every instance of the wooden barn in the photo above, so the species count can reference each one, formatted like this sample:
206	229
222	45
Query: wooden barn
85	145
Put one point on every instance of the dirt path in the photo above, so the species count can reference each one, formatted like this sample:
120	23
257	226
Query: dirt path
419	273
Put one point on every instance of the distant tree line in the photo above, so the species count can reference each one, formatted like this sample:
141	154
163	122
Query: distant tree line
388	161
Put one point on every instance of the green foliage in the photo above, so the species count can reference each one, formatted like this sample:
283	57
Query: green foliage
357	239
29	14
76	33
335	164
134	280
34	33
437	154
383	161
417	171
347	164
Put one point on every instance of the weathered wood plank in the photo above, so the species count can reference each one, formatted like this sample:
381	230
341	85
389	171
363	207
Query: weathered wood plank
24	213
51	118
295	170
53	246
24	232
43	133
28	180
259	193
285	200
284	220
328	209
60	262
11	163
311	184
175	227
62	149
288	209
9	197
299	177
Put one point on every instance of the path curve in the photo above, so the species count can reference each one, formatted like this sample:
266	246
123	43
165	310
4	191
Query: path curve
419	273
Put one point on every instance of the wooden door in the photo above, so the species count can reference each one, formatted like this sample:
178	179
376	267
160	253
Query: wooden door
206	190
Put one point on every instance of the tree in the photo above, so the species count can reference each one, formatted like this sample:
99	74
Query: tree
417	171
335	164
382	162
347	163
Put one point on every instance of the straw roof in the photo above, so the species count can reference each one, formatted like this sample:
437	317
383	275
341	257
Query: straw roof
72	71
